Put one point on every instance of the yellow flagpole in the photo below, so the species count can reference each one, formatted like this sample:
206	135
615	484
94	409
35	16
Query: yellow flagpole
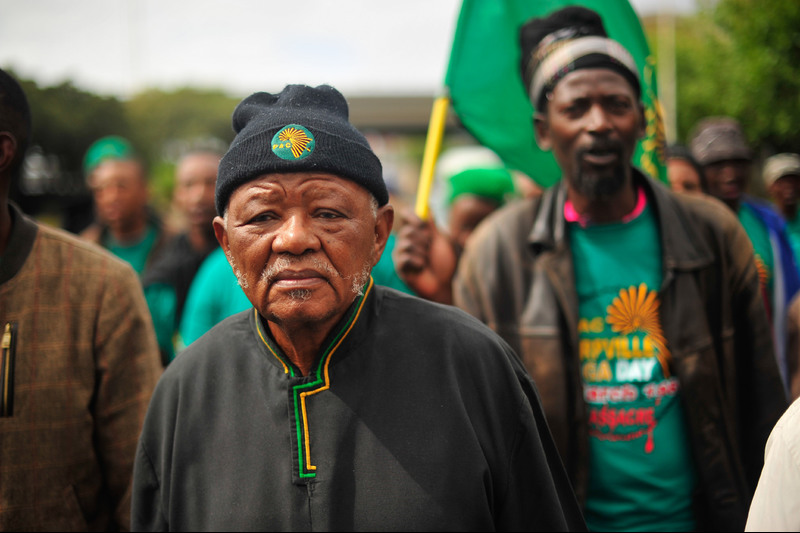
433	144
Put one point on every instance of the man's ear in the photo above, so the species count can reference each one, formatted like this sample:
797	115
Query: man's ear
221	233
8	150
540	127
383	227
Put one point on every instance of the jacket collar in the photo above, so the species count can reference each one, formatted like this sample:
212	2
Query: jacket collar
20	244
681	247
350	330
549	226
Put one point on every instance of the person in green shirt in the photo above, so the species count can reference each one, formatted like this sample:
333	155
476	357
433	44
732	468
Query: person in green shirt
636	310
475	184
167	279
124	225
720	146
781	176
214	295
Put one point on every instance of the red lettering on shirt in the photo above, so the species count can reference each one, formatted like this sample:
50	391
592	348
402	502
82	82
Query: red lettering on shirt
668	387
611	418
601	394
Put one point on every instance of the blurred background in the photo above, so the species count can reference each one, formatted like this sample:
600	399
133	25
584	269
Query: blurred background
167	74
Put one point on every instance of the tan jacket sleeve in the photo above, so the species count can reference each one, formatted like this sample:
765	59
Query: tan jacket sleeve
128	367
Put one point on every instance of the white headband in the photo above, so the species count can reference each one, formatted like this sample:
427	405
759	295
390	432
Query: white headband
569	51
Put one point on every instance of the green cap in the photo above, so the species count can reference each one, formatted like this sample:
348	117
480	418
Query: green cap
494	184
111	147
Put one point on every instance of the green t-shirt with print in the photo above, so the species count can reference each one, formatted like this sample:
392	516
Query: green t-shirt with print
641	473
759	237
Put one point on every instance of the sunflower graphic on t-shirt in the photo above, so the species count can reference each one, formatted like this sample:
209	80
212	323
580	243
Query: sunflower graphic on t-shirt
636	309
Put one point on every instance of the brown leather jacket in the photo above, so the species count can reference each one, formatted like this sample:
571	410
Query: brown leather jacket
516	275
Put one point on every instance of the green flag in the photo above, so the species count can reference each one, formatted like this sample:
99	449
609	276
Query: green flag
487	92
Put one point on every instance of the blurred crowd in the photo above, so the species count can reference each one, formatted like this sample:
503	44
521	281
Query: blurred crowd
660	323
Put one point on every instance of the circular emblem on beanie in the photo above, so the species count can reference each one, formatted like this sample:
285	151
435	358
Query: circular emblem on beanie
293	142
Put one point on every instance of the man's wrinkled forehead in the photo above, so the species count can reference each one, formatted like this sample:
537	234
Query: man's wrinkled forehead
308	186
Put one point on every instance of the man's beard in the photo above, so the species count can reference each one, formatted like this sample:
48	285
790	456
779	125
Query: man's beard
360	279
598	186
240	277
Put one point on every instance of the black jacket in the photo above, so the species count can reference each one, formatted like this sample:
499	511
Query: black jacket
415	417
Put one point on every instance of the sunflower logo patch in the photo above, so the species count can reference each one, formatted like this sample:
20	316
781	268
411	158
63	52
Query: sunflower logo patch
293	142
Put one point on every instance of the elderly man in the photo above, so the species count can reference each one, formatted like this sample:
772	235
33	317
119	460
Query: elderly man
719	145
77	367
167	280
636	311
336	404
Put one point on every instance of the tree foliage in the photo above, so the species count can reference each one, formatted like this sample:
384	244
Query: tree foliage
160	118
742	58
66	120
160	124
166	123
733	57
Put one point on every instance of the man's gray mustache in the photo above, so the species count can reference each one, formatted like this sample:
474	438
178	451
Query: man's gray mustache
285	263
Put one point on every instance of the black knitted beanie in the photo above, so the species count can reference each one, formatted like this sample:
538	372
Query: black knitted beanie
300	129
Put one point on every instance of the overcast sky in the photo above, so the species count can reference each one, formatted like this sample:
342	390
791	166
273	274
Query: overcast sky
117	47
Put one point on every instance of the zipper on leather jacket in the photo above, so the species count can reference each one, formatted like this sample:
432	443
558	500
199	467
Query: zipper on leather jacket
7	355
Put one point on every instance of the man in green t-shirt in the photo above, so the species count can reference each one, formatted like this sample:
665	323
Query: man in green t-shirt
782	178
166	280
637	311
124	223
473	183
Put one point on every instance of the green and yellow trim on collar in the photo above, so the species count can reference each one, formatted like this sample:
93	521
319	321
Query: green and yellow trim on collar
321	382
